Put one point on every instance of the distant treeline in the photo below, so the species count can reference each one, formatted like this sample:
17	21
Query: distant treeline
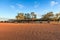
32	17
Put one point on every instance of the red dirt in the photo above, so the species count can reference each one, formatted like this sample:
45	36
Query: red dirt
29	31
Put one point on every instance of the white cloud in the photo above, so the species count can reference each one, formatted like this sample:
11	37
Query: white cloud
53	3
12	6
36	4
58	7
44	10
20	6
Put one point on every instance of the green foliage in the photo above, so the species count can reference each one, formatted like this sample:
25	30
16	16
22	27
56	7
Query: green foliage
27	16
22	16
33	15
48	16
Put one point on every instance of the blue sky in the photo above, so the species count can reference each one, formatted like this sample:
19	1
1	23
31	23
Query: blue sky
10	8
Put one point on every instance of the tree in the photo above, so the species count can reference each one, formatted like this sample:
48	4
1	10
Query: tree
59	19
48	16
33	15
20	16
57	15
27	16
54	18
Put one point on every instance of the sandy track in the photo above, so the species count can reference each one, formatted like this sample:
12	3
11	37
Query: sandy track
28	31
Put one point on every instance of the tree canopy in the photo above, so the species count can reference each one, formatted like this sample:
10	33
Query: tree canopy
33	16
26	16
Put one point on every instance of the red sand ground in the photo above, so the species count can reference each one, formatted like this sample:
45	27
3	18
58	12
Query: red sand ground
29	31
